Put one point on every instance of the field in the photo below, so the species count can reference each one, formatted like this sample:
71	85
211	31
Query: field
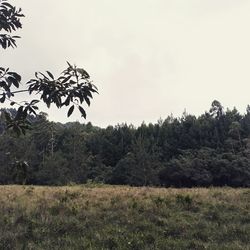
106	217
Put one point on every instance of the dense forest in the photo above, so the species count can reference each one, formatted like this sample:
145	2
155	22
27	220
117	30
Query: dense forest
212	149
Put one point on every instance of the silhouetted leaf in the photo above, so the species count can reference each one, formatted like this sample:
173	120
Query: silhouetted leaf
82	111
71	109
51	76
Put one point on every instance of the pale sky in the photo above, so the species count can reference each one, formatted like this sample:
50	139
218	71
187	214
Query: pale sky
148	58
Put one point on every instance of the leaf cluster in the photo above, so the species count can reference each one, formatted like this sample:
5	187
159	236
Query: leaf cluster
7	80
73	88
9	21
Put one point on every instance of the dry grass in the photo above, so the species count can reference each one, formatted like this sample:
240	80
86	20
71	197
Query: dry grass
107	217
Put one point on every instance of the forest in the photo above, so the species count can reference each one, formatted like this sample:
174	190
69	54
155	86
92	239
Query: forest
212	149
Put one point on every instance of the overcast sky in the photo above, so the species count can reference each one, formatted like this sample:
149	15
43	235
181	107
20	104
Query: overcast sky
149	58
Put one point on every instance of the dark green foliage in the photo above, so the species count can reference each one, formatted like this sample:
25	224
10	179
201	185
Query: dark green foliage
181	152
54	170
20	172
9	21
71	88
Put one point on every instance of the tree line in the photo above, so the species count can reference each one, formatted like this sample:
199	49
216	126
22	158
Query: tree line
212	149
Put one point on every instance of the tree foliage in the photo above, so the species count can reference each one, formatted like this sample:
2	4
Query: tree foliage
9	22
72	88
181	152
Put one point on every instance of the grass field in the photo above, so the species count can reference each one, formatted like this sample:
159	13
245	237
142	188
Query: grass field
105	217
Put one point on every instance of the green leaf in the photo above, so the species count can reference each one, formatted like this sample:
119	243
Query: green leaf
87	100
7	117
66	79
51	76
71	109
2	99
82	111
34	102
69	65
82	72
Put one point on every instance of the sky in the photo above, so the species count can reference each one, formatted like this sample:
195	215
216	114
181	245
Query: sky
148	58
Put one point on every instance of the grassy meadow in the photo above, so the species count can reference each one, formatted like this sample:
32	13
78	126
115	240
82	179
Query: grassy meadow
115	217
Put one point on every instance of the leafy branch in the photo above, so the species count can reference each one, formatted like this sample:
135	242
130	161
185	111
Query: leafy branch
72	88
